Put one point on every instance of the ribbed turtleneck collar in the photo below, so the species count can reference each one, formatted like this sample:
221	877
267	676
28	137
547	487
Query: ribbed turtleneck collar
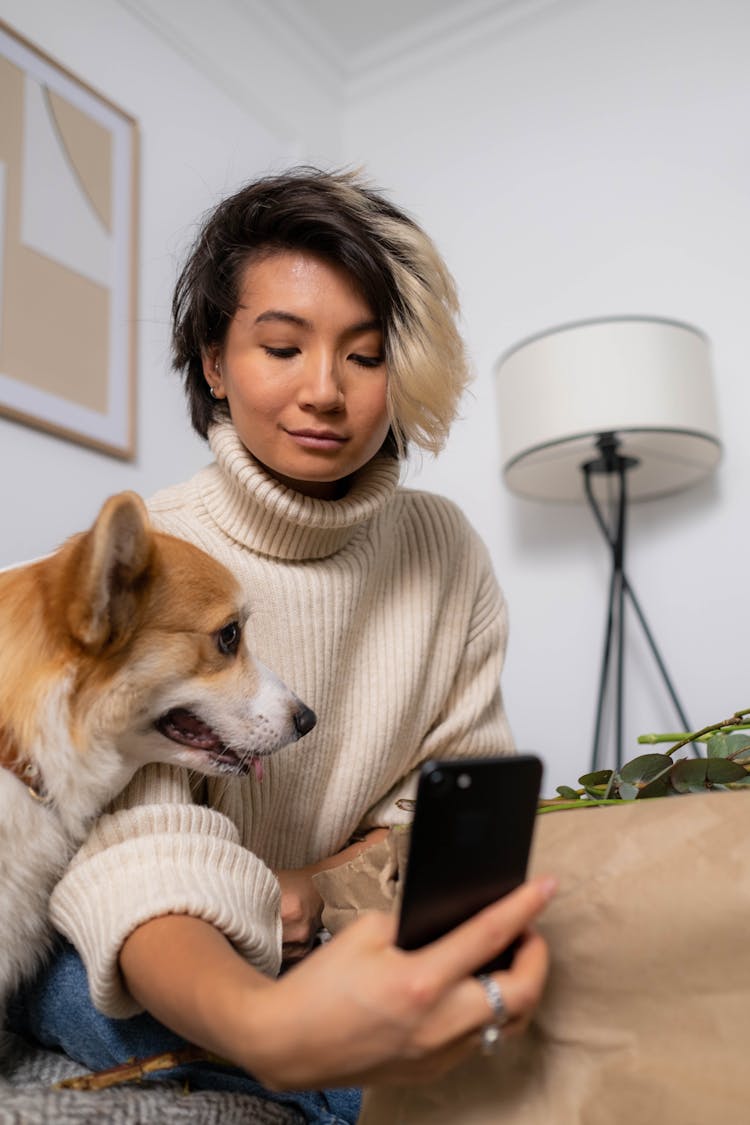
255	510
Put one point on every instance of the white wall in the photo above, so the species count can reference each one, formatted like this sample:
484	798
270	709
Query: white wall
586	160
198	140
591	160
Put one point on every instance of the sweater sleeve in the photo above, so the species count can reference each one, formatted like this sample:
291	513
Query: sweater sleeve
472	722
158	853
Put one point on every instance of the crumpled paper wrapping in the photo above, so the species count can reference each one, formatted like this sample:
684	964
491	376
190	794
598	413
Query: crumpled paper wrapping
646	1016
368	882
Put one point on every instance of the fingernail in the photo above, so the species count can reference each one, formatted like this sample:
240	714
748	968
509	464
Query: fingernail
548	886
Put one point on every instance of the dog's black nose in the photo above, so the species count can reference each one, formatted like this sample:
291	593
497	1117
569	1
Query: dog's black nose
304	719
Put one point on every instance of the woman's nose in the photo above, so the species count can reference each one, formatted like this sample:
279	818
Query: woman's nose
321	387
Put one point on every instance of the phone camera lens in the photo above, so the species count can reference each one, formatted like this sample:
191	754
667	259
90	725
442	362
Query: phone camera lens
441	781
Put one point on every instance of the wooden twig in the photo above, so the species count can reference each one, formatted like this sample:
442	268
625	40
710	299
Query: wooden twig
137	1069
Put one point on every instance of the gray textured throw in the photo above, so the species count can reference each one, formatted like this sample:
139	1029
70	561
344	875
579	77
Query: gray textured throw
26	1098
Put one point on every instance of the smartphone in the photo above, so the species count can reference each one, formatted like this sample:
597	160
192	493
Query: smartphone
470	842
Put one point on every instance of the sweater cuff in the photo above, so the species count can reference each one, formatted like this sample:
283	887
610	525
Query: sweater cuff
101	900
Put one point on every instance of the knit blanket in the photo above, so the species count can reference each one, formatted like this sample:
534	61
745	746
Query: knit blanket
28	1097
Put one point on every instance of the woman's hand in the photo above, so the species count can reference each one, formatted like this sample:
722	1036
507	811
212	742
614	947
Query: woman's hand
301	905
356	1011
361	1011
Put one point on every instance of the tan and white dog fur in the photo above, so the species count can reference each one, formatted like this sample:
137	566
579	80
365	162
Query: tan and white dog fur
124	647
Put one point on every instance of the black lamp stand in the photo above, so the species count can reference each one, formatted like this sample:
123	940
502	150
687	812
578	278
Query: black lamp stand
612	463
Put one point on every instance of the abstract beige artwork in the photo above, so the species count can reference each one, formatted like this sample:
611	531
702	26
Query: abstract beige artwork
67	253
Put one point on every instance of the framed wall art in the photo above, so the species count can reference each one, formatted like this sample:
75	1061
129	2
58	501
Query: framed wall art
68	199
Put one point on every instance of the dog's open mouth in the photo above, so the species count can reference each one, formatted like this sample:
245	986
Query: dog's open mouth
181	725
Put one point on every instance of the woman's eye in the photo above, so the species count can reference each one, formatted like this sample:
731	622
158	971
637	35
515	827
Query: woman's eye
228	638
281	353
367	360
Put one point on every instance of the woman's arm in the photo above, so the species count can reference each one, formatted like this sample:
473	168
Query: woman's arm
358	1010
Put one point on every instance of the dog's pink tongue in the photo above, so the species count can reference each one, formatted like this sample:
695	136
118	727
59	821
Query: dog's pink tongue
258	767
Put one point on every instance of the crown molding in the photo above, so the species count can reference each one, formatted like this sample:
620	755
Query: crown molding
294	34
448	35
431	41
274	56
244	48
293	25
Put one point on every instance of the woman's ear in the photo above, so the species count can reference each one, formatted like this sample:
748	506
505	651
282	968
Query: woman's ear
212	372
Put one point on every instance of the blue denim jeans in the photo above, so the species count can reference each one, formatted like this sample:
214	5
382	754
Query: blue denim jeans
55	1010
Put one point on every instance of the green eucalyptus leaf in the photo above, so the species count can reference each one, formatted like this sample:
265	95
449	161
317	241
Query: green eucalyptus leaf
735	745
645	768
689	775
598	777
738	746
705	773
659	787
568	793
720	772
627	791
717	746
596	783
743	783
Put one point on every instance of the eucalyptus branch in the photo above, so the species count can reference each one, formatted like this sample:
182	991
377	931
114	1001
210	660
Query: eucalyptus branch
675	736
669	736
558	806
684	739
726	766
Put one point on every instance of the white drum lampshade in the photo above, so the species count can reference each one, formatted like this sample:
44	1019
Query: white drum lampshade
647	381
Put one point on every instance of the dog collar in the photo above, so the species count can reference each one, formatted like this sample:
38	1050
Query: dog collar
32	779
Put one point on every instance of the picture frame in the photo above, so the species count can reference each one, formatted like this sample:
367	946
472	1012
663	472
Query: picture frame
68	253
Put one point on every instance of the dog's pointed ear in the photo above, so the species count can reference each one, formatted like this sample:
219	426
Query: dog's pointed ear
107	570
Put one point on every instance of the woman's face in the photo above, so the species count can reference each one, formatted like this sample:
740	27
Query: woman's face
303	372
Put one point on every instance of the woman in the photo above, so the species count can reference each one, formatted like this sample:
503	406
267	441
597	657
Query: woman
314	325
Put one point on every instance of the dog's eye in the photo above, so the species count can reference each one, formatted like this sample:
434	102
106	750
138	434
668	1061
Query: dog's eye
228	638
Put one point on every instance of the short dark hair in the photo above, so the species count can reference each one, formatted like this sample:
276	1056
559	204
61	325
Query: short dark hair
396	266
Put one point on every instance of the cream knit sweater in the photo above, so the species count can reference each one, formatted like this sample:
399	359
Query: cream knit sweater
381	611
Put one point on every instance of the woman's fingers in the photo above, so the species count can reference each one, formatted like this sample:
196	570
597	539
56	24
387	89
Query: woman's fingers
452	1031
522	985
454	1005
441	984
463	1007
477	941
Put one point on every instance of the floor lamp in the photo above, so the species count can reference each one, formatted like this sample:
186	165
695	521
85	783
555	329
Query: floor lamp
609	411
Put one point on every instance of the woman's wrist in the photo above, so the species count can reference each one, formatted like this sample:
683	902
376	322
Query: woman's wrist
189	977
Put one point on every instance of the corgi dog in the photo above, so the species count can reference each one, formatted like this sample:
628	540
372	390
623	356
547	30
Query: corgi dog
124	647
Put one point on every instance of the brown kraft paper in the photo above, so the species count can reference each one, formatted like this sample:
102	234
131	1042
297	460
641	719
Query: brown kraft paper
646	1016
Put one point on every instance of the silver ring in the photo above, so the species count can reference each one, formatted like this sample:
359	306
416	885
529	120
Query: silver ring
492	1032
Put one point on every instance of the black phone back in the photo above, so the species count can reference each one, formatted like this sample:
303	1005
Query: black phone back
470	841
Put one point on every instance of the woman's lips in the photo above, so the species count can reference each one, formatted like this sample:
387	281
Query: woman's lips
317	439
